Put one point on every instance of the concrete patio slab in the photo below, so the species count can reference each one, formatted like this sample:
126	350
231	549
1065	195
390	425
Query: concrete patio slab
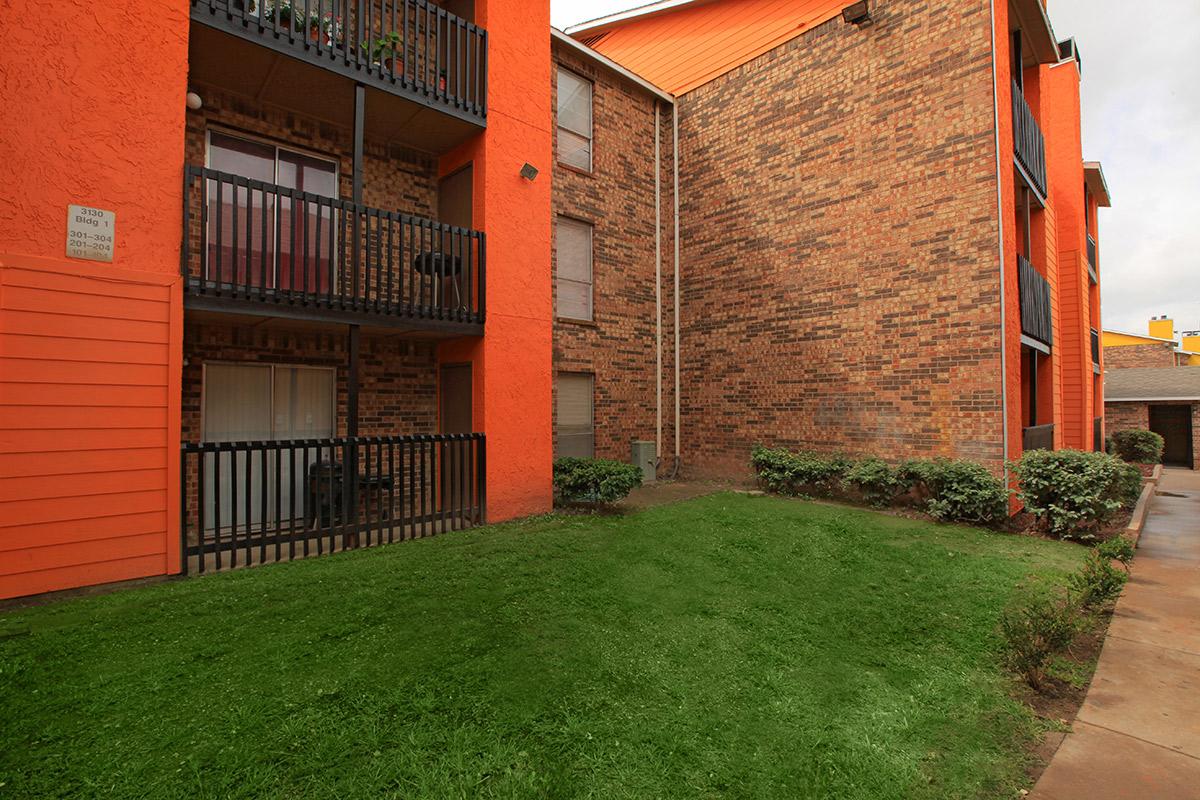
1151	693
1133	770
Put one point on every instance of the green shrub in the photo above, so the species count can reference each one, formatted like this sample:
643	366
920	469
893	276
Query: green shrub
962	491
1139	447
1071	491
1117	548
876	479
797	473
1034	632
1097	583
595	480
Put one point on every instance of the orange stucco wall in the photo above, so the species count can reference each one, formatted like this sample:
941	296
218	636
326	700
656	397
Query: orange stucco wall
90	352
511	364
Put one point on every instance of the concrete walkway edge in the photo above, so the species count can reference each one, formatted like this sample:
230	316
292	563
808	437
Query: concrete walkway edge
1137	734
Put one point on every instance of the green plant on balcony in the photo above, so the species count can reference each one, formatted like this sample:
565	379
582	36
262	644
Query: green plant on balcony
386	50
292	15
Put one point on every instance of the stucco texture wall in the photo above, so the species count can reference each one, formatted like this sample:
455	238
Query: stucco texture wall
93	111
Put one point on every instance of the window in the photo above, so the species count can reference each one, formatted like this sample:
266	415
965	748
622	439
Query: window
247	225
574	421
573	253
574	120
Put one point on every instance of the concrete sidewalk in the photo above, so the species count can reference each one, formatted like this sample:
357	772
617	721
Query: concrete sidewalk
1138	732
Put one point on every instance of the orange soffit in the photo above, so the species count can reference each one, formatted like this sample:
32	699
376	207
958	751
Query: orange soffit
679	46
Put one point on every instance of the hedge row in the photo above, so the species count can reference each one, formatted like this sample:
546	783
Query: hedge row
1071	492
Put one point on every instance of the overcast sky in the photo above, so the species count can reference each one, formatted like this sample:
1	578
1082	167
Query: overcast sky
1141	120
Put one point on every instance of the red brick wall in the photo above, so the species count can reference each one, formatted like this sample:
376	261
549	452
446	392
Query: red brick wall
397	377
617	198
1154	354
841	246
1136	416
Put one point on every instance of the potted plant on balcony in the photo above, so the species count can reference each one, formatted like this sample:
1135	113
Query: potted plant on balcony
387	52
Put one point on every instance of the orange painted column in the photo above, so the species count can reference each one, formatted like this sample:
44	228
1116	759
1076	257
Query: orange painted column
90	351
1064	167
511	363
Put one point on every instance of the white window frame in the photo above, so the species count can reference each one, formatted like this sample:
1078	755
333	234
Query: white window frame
591	132
591	265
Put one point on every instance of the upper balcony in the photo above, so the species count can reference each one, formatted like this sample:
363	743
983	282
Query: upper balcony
1036	320
424	69
1028	143
258	249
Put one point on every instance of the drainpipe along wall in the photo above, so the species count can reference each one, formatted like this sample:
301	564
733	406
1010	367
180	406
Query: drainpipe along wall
675	198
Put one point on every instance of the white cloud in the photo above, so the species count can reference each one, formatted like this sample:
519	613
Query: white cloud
1141	119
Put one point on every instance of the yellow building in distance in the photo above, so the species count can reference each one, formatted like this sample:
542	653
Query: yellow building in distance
1157	347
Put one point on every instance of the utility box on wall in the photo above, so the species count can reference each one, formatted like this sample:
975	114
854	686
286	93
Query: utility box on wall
646	457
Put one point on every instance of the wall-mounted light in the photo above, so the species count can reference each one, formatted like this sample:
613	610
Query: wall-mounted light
528	171
193	101
858	14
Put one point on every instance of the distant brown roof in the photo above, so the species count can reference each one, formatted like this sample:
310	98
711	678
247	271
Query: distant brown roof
1164	383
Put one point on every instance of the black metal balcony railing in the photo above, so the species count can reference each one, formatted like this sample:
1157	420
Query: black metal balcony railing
1095	346
410	47
1038	437
1091	259
252	241
1028	141
1098	434
1035	303
250	503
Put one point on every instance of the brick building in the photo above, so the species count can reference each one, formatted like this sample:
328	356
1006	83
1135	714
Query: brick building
315	308
888	231
1166	401
361	276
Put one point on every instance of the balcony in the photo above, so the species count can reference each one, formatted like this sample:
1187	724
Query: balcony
256	248
1029	144
1037	437
1095	348
1036	322
252	503
1091	260
424	70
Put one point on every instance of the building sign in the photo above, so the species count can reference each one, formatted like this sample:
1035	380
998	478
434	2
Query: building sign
90	233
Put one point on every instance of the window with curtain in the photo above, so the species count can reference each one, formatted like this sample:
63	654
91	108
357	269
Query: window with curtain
575	432
574	120
280	242
573	257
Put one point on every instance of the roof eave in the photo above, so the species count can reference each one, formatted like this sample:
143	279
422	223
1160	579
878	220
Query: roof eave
1093	176
605	61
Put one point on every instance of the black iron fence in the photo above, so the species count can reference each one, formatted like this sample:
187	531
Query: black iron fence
1098	434
1091	259
1036	320
249	503
258	241
1095	346
1037	437
412	45
1028	141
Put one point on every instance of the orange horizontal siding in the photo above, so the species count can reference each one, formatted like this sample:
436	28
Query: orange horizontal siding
44	534
89	424
73	462
687	47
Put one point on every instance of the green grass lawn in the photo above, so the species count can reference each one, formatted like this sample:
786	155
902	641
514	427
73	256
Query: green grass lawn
723	647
